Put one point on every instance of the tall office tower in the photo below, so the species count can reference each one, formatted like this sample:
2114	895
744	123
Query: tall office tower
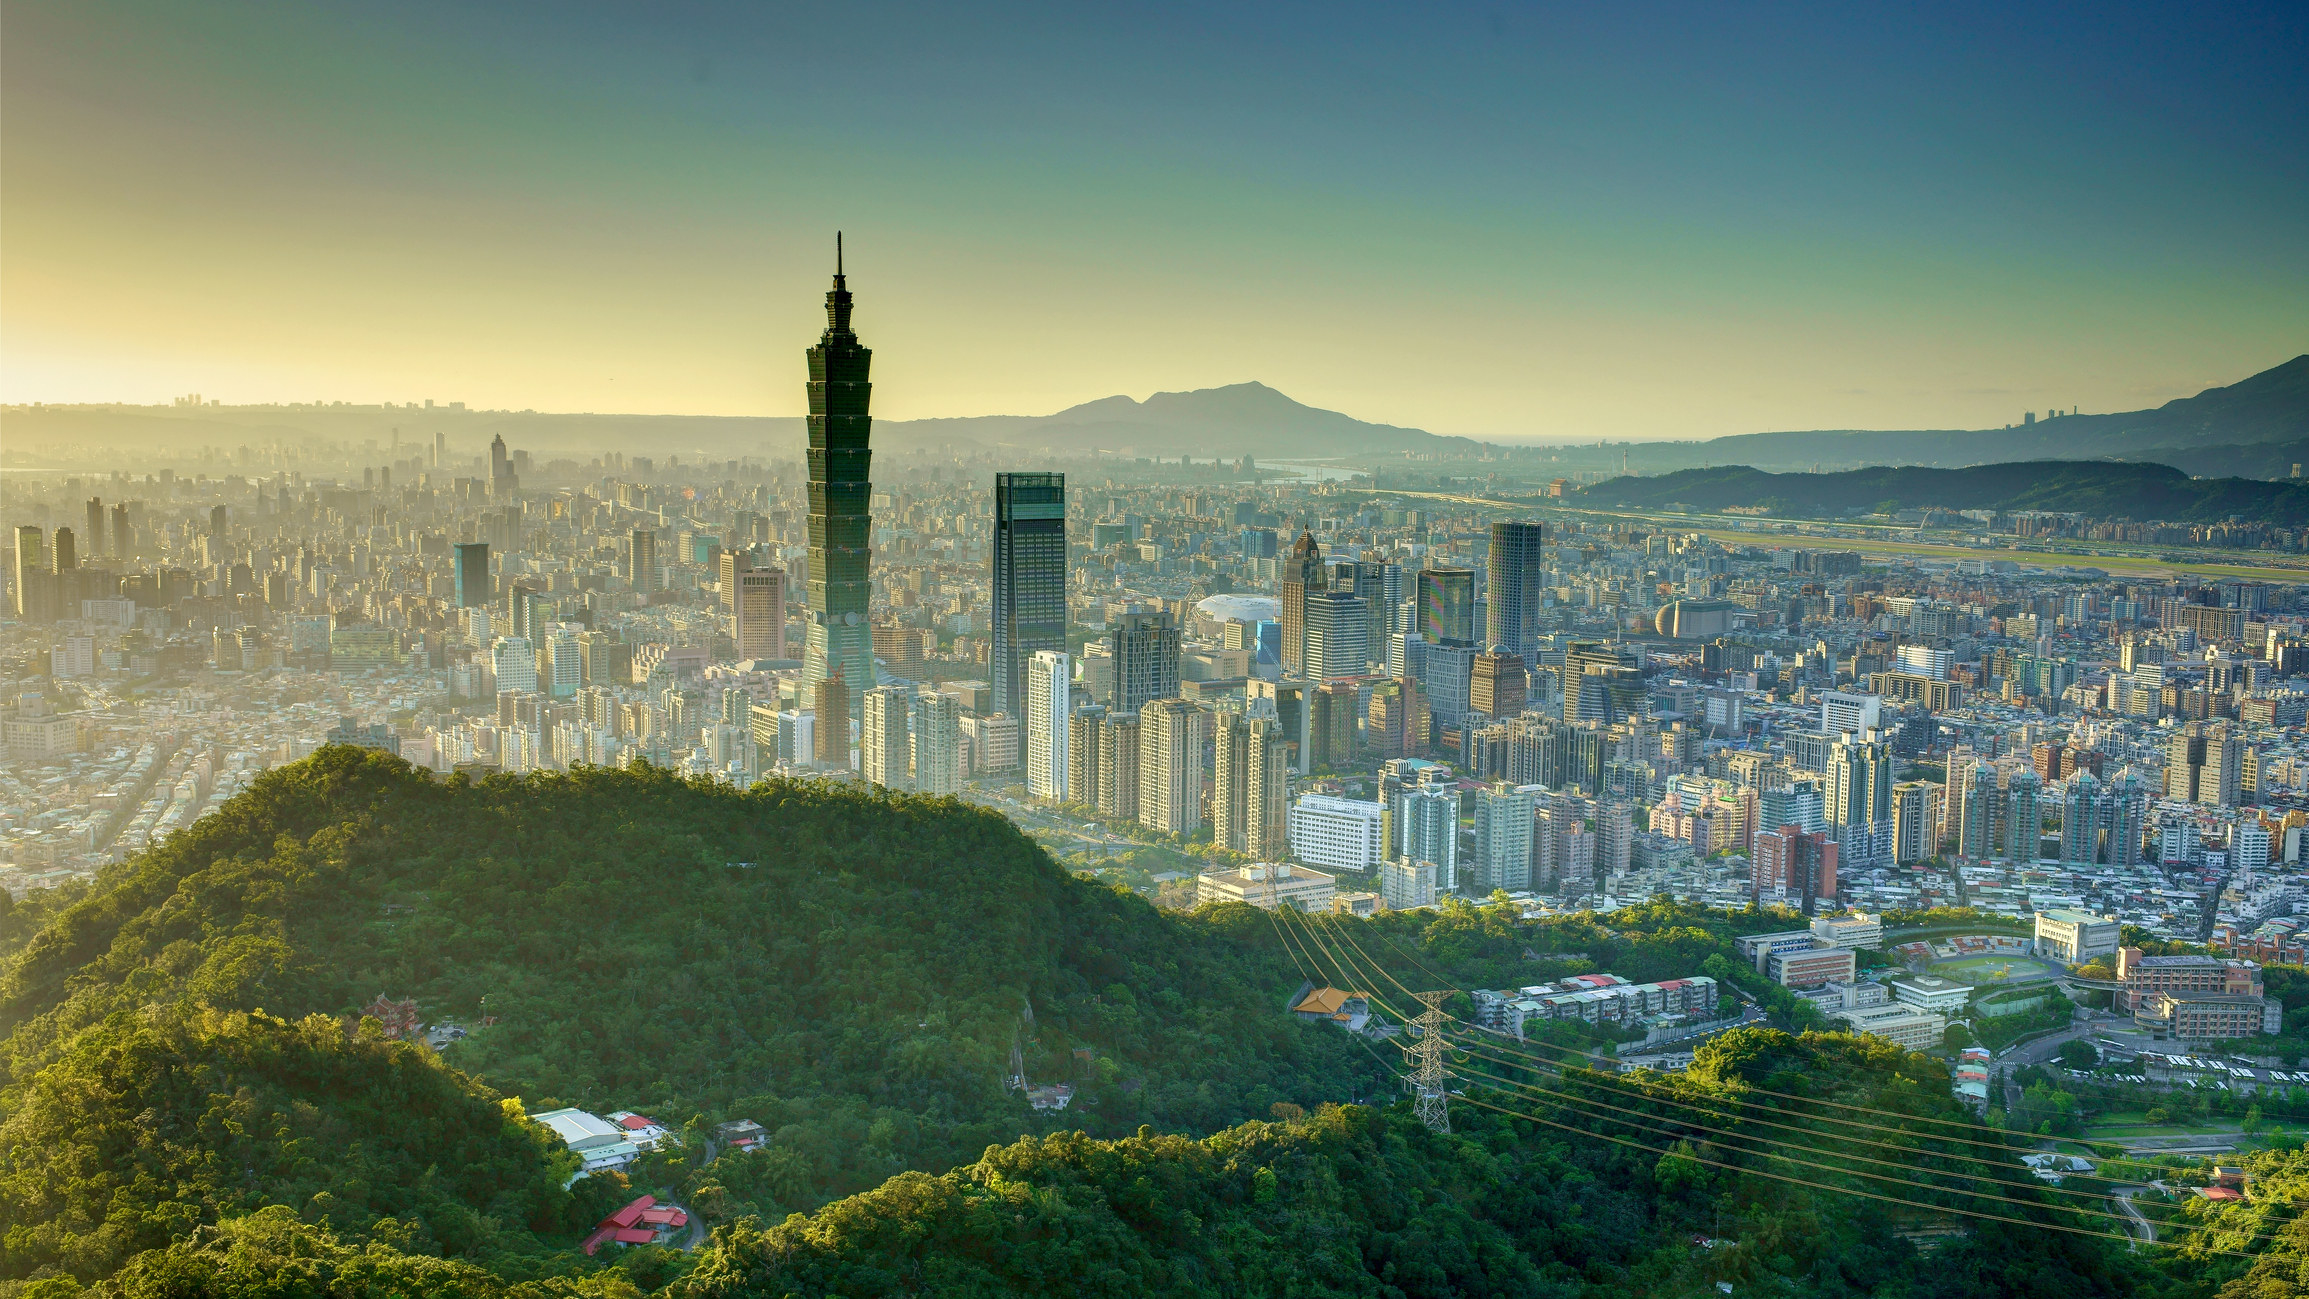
884	746
755	599
1249	782
2024	817
1331	713
35	585
440	448
604	659
1430	821
95	533
560	664
1859	779
1368	580
217	517
521	616
514	660
1496	689
841	528
936	744
1303	577
1615	838
501	479
1118	755
1144	650
123	535
1399	719
2127	818
1332	630
472	576
1516	574
1977	810
1913	837
62	556
1084	733
830	700
1049	687
1447	606
1029	580
1289	701
1170	765
2084	806
1503	819
1799	803
641	560
1606	696
2221	783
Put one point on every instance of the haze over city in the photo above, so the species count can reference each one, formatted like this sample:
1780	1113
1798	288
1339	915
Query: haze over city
760	652
1505	223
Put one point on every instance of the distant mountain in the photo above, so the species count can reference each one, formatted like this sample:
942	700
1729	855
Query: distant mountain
1229	421
1209	422
2130	490
2191	433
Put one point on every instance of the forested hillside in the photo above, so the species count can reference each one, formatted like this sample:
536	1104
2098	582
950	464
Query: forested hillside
192	1104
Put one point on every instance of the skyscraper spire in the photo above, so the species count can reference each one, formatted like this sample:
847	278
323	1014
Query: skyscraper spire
841	643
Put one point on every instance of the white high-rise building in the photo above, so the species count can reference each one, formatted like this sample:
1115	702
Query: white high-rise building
1337	833
1844	710
1405	884
1049	686
883	744
1503	818
560	671
1431	832
515	663
937	743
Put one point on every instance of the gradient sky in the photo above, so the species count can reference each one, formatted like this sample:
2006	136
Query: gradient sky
1507	222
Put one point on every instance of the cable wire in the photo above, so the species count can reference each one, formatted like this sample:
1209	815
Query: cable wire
1574	1102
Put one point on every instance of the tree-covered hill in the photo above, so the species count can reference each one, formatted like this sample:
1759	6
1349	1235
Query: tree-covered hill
2103	488
158	1121
192	1105
848	967
1525	1196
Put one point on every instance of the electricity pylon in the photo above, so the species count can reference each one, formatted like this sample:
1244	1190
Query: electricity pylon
1430	1079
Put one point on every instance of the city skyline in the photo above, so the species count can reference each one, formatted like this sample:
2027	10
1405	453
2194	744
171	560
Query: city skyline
1796	222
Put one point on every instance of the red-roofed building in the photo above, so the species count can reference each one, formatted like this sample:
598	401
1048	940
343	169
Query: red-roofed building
643	1222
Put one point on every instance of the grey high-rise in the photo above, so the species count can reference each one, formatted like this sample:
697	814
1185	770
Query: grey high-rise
1029	580
841	528
1517	572
472	574
1145	650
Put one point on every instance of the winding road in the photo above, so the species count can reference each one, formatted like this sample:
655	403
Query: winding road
2144	1231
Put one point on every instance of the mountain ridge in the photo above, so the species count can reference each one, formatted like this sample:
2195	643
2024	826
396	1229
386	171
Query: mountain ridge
2129	489
2256	423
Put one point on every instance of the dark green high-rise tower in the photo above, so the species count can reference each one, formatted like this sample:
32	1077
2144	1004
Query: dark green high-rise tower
841	530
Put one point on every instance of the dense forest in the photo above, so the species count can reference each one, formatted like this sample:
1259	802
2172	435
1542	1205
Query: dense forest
192	1102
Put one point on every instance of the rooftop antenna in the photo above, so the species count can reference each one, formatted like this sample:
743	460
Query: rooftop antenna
837	252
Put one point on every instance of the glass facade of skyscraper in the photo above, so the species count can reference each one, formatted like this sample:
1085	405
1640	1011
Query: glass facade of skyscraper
1029	580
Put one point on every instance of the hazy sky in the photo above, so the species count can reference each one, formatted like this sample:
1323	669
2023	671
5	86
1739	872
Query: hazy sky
1518	221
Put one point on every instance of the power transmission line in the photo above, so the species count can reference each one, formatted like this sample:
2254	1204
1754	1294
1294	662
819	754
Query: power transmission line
1576	1102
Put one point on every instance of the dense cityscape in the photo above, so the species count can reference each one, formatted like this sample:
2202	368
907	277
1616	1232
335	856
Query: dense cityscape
1276	670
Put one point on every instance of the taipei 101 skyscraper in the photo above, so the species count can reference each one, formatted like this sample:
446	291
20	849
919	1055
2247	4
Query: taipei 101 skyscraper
841	531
